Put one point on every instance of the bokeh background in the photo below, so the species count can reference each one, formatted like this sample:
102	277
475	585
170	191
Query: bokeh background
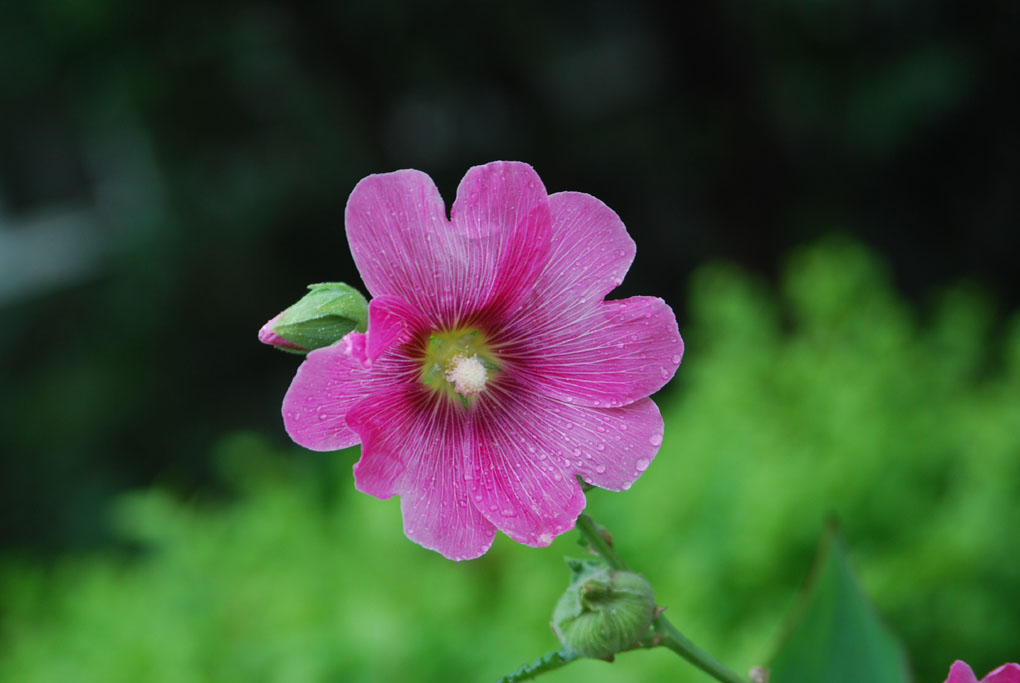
825	191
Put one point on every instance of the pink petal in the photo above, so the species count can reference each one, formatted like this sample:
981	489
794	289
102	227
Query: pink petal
607	447
1007	673
327	384
412	446
515	482
621	351
391	321
401	240
487	260
959	672
503	211
591	252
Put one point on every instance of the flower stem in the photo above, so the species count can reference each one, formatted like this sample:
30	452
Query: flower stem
677	642
548	662
666	634
598	539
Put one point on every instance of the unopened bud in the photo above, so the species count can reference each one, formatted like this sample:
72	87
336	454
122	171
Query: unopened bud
320	318
604	611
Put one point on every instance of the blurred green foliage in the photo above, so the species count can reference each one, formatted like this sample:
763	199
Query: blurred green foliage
831	397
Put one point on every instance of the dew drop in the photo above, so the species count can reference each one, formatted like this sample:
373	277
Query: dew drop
676	357
641	464
600	468
655	439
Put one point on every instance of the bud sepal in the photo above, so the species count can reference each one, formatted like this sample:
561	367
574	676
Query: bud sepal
604	611
323	316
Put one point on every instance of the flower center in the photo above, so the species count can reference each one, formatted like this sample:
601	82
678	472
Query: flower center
458	363
467	375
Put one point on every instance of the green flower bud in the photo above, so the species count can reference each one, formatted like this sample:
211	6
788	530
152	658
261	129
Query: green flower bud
603	611
320	318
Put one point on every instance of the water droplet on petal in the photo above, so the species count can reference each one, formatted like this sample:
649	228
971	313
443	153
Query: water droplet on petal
600	468
641	464
655	439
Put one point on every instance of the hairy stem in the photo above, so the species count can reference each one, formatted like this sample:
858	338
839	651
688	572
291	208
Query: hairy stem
548	662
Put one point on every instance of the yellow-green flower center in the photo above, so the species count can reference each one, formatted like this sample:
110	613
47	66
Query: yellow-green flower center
458	363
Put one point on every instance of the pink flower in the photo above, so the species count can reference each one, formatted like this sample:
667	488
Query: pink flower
492	371
959	672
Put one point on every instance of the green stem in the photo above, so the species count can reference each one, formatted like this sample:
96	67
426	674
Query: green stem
667	634
548	662
677	642
597	538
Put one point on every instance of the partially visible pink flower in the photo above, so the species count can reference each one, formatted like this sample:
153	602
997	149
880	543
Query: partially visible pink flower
960	672
493	371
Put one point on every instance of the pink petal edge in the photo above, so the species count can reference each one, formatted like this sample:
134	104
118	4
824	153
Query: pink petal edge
524	493
408	446
1007	673
621	352
328	383
487	260
590	255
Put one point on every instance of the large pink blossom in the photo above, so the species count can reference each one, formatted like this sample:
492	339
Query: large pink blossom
492	371
959	672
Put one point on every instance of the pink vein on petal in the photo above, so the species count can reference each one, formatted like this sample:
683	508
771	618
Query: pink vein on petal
529	496
412	446
391	321
503	211
620	352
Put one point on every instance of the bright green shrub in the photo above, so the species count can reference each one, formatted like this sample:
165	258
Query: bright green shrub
830	398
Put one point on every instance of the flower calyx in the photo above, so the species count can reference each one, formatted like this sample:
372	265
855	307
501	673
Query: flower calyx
320	318
604	611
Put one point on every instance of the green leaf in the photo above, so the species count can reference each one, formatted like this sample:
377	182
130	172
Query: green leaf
834	634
